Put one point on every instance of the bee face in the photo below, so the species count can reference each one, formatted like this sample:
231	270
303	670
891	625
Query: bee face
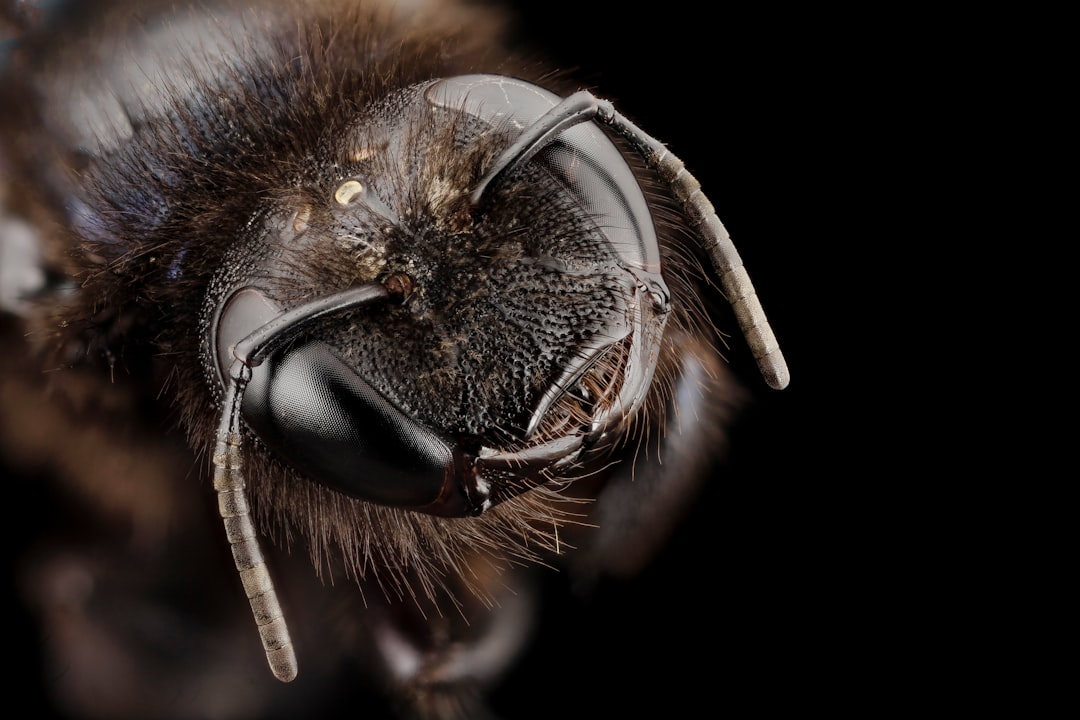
512	342
418	316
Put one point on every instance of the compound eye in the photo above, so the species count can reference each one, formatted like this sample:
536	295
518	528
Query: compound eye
317	414
582	157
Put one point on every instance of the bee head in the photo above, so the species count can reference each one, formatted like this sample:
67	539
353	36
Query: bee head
522	318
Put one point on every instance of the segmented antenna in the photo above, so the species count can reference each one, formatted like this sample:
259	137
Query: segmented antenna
240	531
583	106
229	483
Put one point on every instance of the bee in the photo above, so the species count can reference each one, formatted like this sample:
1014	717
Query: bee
349	298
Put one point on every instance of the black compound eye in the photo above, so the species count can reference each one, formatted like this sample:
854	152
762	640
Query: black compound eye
316	413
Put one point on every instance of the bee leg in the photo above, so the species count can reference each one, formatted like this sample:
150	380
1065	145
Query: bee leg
441	667
647	495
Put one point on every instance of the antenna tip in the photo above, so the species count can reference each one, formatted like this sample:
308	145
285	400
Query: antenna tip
283	663
775	370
